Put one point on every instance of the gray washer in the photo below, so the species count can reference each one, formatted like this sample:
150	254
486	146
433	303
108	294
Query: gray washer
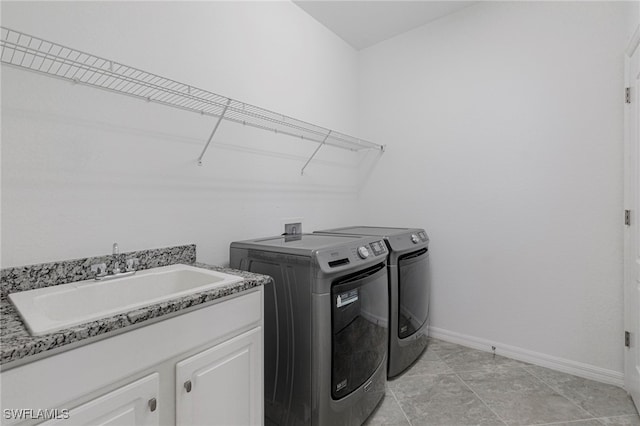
325	325
409	291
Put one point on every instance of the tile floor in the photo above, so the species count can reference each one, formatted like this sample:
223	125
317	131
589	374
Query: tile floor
453	385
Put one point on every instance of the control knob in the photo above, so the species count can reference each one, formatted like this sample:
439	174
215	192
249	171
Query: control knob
363	252
414	239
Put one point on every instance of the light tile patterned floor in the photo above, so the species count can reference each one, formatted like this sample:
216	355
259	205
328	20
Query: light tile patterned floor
453	385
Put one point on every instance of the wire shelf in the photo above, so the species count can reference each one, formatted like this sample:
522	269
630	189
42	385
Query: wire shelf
35	54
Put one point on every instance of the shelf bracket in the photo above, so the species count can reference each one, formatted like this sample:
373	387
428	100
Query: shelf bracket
224	111
314	153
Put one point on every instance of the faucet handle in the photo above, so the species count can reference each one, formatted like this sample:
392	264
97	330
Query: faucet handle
132	263
100	269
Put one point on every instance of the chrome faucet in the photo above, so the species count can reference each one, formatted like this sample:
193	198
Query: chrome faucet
100	270
116	265
131	264
116	272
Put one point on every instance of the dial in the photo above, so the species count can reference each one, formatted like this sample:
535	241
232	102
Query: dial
414	238
363	252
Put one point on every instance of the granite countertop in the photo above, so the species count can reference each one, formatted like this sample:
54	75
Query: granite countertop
16	344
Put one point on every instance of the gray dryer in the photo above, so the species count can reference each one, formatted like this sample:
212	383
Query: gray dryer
409	290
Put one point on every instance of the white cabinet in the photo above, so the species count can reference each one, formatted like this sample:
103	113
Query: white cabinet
132	405
222	385
217	347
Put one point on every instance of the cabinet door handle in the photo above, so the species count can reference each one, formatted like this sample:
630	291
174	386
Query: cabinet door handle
187	385
153	404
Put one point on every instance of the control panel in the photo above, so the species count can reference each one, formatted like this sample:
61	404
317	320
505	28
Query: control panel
419	237
375	248
363	251
378	248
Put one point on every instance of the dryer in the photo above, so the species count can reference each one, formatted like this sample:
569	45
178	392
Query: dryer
325	325
409	290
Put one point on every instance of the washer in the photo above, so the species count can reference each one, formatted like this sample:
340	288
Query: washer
325	326
409	288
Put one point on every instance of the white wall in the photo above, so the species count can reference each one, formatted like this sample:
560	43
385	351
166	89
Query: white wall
82	168
504	126
503	123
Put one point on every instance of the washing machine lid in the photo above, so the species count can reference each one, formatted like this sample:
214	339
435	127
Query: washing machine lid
303	244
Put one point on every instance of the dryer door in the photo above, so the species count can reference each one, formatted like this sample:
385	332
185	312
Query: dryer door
359	316
413	292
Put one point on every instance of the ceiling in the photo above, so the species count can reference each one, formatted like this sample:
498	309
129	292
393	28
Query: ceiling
365	23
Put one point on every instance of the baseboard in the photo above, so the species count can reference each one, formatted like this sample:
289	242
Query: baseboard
555	363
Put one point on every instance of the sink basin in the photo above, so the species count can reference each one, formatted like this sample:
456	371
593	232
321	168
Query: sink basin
50	309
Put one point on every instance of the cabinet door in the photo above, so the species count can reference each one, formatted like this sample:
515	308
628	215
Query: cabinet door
222	385
128	405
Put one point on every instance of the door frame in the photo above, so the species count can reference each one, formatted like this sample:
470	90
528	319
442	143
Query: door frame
631	233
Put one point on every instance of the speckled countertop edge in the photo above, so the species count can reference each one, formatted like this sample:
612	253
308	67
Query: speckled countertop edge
17	344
